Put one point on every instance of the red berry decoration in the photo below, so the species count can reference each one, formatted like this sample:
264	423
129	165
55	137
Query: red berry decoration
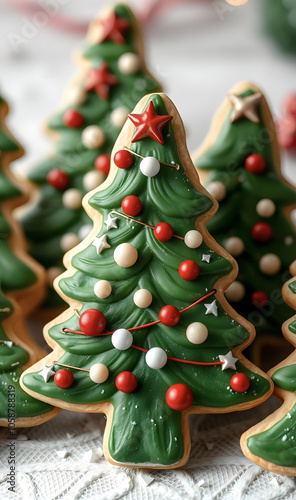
73	119
179	397
92	322
63	378
259	298
240	382
290	104
255	164
262	232
169	315
188	270
58	179
123	159
163	231
126	382
131	205
102	163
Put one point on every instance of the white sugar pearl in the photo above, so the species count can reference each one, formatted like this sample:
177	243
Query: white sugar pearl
93	179
142	298
129	63
76	95
270	264
234	245
265	208
102	289
156	358
235	292
52	274
93	137
72	199
197	333
193	239
84	231
125	255
119	116
69	241
122	339
150	166
217	190
98	373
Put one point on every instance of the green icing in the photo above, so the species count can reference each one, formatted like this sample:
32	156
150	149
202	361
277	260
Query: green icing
48	220
285	378
144	428
237	215
279	23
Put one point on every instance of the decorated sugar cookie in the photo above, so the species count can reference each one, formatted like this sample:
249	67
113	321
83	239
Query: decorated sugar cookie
239	163
149	338
271	443
112	79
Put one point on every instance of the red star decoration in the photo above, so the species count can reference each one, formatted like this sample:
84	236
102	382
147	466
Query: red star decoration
149	124
101	80
113	28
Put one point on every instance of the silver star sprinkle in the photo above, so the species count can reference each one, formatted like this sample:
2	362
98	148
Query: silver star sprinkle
9	343
245	107
111	222
228	361
47	372
212	308
101	243
206	258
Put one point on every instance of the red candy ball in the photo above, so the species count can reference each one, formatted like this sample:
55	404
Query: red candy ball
163	231
188	270
259	298
290	104
240	382
58	179
126	382
262	232
179	397
102	163
63	378
92	322
73	119
169	315
131	205
123	159
255	164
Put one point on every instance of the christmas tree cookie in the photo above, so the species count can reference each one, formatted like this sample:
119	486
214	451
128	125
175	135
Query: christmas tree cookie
21	277
279	20
239	163
271	443
148	338
113	77
17	352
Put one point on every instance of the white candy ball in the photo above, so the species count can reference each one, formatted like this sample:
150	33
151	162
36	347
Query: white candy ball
52	274
125	255
102	289
119	116
98	373
234	245
217	190
265	208
197	333
122	339
235	292
69	241
93	137
76	95
270	264
72	199
93	179
84	231
129	63
156	358
142	298
150	166
193	239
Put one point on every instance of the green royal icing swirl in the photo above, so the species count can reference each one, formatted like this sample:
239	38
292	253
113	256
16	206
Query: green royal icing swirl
279	23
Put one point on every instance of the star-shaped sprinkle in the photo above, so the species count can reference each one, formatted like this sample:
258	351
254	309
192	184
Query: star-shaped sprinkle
212	308
100	80
9	343
111	222
47	372
101	243
113	28
149	124
228	361
206	258
245	107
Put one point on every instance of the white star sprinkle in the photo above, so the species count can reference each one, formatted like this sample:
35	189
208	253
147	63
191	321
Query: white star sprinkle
9	343
47	372
101	243
212	308
228	361
206	258
111	222
245	107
